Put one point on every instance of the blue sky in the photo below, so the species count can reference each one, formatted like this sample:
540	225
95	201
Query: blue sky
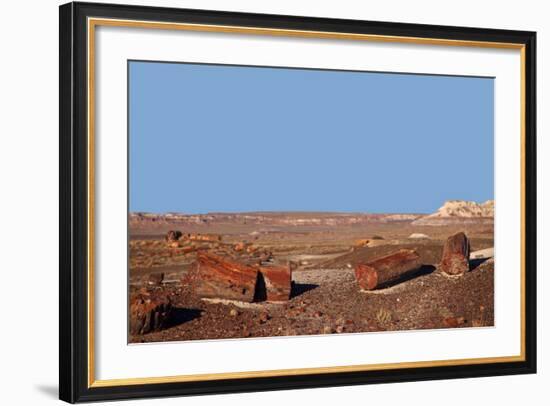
215	138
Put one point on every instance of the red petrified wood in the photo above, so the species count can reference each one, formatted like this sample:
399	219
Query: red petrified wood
217	277
277	279
148	313
456	255
387	269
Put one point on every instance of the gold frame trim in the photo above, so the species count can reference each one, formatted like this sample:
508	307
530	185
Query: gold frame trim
94	22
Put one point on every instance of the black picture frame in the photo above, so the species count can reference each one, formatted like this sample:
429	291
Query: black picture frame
74	199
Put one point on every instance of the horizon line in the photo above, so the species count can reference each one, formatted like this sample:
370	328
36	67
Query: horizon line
302	211
273	212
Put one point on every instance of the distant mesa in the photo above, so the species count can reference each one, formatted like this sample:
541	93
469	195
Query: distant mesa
461	208
452	212
459	211
265	220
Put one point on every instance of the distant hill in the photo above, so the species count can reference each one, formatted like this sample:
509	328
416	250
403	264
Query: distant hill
267	218
459	211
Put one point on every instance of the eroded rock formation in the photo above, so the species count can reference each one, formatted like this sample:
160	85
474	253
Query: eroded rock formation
173	235
458	212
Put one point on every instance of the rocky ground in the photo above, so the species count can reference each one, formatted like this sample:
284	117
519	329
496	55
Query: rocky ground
325	297
328	301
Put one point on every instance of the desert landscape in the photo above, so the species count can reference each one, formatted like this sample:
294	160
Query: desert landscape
265	274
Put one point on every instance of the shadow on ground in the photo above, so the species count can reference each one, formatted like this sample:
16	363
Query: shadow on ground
49	390
474	263
423	270
301	288
182	315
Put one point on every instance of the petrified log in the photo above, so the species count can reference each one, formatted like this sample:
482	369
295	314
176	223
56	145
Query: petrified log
204	237
148	313
363	242
222	278
277	281
387	269
455	255
212	238
187	250
239	246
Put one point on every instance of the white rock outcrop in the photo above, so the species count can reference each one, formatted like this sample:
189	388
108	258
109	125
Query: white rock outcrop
459	211
419	236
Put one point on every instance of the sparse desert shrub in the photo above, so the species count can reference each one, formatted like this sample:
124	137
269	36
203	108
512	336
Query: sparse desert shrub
383	316
444	312
377	237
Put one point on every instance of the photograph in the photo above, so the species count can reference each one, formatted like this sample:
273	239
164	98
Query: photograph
270	201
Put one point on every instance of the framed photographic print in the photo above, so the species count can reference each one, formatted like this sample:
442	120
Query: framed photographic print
255	202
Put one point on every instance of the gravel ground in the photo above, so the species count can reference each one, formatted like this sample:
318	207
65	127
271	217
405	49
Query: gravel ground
329	301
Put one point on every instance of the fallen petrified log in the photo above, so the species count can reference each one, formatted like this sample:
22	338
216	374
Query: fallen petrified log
149	313
277	282
239	246
204	237
363	242
387	269
217	277
456	254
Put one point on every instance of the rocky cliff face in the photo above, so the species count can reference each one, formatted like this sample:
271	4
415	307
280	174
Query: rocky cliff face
460	208
460	211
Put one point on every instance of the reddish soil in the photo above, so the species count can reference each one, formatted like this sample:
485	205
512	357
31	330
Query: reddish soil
325	298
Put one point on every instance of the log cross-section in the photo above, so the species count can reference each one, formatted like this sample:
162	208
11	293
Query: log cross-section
148	313
277	281
387	269
221	278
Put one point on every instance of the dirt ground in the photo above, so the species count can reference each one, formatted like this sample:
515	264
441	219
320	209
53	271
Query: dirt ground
325	297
